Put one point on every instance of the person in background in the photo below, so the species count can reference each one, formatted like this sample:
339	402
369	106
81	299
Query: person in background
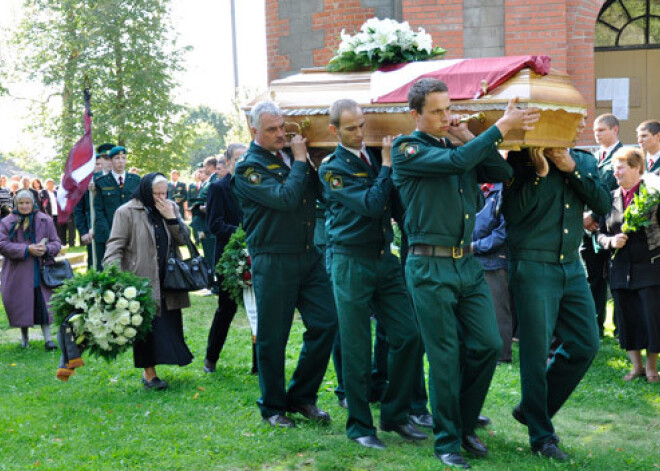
42	200
199	216
14	186
489	247
6	203
176	191
193	191
27	236
3	182
26	183
634	275
50	202
648	138
142	231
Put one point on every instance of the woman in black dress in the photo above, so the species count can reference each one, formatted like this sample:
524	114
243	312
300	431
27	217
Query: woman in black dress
635	268
142	231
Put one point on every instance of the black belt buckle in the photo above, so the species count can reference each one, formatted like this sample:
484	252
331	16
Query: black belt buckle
456	252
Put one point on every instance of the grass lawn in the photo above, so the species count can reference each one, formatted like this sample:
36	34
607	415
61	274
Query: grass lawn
103	419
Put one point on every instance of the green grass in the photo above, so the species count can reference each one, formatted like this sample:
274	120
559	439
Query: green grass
103	419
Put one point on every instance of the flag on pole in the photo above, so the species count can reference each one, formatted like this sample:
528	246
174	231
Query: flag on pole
78	171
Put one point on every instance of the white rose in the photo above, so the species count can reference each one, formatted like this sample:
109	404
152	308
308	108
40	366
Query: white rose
130	332
136	320
122	303
134	306
118	328
130	292
125	318
109	297
121	340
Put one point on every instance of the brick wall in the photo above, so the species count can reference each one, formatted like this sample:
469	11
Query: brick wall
275	29
443	19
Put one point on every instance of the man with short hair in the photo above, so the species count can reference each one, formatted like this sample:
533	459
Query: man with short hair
358	191
222	218
438	185
176	191
277	194
199	213
112	190
648	138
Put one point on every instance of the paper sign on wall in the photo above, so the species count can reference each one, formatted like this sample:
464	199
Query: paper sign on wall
617	90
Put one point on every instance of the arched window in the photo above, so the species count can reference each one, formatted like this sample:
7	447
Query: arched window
628	24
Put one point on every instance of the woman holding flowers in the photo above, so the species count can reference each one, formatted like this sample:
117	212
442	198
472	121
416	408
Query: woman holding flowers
631	228
27	235
142	231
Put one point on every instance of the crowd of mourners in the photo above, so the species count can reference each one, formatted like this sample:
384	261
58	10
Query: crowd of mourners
495	246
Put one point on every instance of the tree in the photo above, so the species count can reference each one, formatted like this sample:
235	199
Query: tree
127	53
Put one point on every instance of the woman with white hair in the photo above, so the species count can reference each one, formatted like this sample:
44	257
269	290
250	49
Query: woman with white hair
27	235
142	231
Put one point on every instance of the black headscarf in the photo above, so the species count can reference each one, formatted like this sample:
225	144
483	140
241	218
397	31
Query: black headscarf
145	191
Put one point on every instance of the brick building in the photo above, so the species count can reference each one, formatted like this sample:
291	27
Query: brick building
589	39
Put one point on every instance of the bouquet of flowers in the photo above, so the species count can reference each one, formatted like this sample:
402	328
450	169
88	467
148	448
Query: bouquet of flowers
235	266
112	309
381	42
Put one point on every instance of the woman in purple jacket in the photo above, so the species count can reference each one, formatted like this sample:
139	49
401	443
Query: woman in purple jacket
26	237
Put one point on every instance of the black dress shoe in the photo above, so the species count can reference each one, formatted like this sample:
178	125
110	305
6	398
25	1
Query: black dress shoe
209	367
279	420
370	441
453	460
154	383
406	431
311	412
550	449
472	444
517	414
422	420
482	421
50	346
343	403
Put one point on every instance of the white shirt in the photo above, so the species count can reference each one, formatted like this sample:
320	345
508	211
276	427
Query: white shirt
117	175
651	159
607	151
53	202
358	153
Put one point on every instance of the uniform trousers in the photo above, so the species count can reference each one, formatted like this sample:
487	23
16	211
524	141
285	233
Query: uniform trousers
282	283
551	298
457	321
358	282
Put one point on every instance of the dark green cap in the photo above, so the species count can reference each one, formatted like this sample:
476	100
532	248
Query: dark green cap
103	149
117	150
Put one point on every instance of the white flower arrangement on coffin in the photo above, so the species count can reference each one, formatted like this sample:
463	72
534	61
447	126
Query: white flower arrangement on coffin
112	310
381	42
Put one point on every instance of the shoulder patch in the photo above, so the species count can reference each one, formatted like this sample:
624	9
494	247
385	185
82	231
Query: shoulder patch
410	150
336	182
254	178
326	176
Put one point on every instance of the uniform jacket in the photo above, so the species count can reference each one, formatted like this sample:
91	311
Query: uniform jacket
198	217
132	244
358	206
177	192
438	184
108	198
634	266
489	237
18	268
192	192
223	214
278	202
544	215
605	170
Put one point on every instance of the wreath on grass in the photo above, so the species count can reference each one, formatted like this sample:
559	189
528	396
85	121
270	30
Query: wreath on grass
235	266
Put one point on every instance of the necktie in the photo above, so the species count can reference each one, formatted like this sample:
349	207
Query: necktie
650	166
602	156
364	159
121	182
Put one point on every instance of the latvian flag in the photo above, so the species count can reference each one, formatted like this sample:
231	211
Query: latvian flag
78	171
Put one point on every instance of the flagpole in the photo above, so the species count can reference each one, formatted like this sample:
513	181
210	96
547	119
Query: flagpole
92	218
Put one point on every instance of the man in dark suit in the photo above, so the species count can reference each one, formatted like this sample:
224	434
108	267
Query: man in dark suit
176	191
648	138
222	218
113	190
606	132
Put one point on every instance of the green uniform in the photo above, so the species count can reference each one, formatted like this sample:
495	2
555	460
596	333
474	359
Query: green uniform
279	212
177	193
364	271
108	198
193	191
438	187
199	220
548	284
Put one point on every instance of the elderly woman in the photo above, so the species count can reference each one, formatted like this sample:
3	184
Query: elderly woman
26	237
634	270
142	231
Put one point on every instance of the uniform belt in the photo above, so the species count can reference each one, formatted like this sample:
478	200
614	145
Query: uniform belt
439	251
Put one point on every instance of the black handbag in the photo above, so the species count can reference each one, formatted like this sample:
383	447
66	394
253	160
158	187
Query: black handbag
54	273
192	274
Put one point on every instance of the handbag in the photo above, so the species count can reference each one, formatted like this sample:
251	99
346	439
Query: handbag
192	274
54	273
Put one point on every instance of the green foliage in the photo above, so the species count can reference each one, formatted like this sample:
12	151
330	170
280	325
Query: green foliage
234	266
94	284
127	54
641	210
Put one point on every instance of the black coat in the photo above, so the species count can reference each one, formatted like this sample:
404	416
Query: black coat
223	214
634	266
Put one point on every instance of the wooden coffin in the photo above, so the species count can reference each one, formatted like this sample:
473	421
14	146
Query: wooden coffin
305	98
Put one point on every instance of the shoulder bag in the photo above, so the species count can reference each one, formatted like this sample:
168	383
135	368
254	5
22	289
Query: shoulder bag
192	274
54	273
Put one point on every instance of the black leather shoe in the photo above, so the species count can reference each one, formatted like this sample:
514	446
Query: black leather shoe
50	346
370	441
482	421
517	414
311	412
472	444
209	367
154	383
422	420
343	403
550	449
453	460
279	420
406	431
